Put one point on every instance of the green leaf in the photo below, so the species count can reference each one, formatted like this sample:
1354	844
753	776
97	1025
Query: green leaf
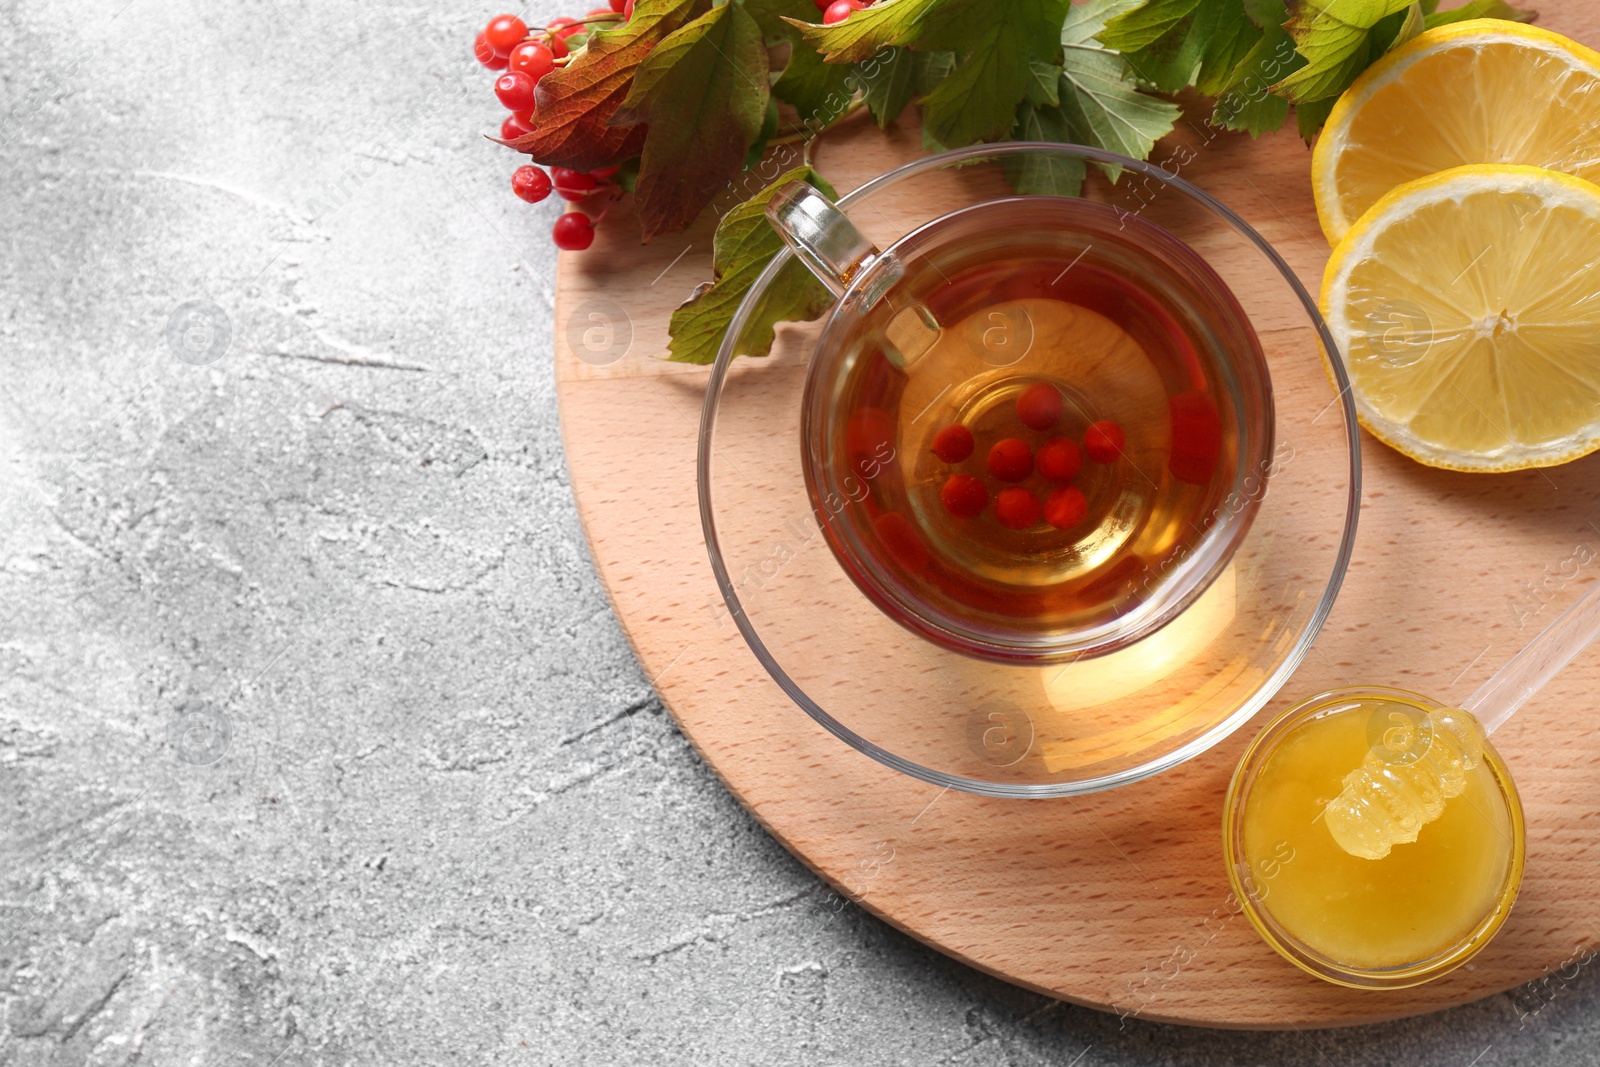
1044	85
578	102
773	15
1268	14
1085	21
888	81
1183	43
868	31
1233	36
1244	102
703	92
818	91
1311	116
931	68
1145	25
1034	175
769	126
978	101
1476	9
744	244
1385	35
1334	37
994	41
1253	113
1100	104
1409	28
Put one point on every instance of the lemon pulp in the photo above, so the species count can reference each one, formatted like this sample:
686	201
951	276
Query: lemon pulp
1483	91
1467	307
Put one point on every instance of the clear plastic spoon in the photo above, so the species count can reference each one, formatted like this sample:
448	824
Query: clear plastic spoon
1404	782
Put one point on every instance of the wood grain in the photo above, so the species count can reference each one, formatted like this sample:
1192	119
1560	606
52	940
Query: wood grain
1119	900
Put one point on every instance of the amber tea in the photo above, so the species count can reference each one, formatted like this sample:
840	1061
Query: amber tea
1034	444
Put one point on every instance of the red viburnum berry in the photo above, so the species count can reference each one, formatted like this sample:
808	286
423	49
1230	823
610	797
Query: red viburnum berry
573	232
1103	441
964	496
513	127
1059	459
486	54
953	443
840	10
573	185
1066	507
897	534
1010	460
533	58
1016	508
1196	437
504	32
531	183
515	90
1039	406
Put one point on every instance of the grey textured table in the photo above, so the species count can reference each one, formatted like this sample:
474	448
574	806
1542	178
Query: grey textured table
318	742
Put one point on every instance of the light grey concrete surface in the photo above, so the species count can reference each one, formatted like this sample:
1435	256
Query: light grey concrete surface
318	741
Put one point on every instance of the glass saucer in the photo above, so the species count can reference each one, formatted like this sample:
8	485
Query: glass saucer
1032	729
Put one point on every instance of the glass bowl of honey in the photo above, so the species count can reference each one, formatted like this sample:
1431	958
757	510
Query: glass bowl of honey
1058	491
1385	912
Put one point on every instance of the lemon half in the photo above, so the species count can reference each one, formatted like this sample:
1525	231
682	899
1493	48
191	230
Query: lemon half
1481	91
1467	306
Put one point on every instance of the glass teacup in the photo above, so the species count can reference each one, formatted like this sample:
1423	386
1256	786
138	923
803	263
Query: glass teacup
1033	430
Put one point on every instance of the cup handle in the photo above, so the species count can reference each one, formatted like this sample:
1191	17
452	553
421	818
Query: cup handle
822	236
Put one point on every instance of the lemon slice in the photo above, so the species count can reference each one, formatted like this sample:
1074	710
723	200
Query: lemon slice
1467	306
1482	91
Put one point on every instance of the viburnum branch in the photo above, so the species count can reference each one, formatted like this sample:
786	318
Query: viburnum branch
679	96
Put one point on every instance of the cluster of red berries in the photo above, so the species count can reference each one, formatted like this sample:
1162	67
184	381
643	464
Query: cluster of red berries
1012	460
506	44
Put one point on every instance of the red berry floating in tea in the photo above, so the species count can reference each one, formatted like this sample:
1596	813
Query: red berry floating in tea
1039	406
1016	509
1066	507
902	540
964	496
1196	437
1011	460
953	443
1103	441
1059	459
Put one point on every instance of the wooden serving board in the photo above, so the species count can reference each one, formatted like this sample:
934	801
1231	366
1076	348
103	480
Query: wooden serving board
1118	900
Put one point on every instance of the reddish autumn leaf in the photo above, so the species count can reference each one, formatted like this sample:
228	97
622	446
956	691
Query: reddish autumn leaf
704	95
575	103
